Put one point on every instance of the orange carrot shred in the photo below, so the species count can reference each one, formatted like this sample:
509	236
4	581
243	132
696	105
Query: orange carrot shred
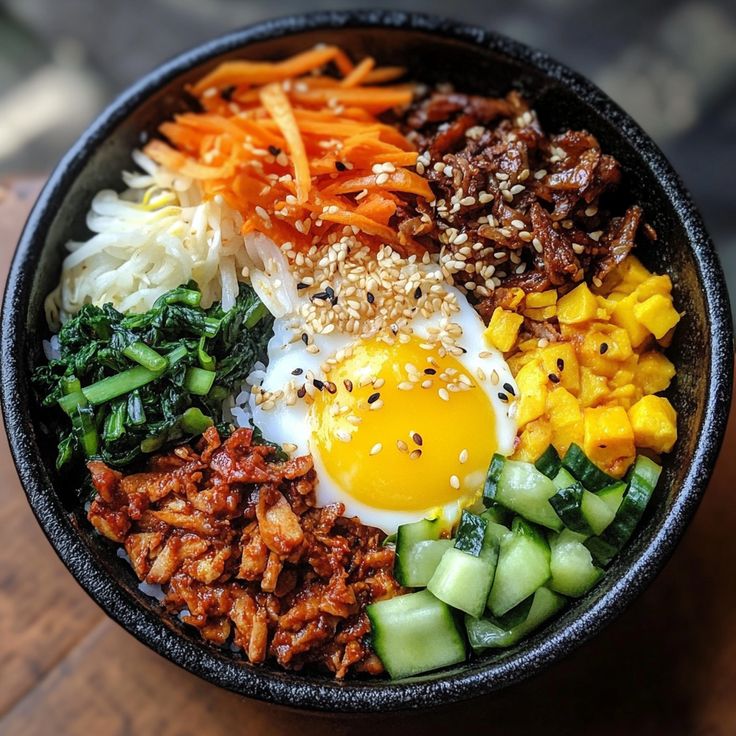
357	76
277	103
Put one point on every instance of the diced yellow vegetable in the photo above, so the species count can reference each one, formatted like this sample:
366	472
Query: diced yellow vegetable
515	297
533	441
594	354
623	316
518	360
654	372
536	300
579	305
623	396
654	285
528	345
608	438
632	273
532	382
654	423
559	358
565	418
593	388
657	314
541	314
503	329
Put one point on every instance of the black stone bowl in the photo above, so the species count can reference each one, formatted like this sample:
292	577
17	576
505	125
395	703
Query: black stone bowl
434	50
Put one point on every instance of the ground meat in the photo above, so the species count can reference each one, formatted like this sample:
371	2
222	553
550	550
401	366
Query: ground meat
242	554
515	207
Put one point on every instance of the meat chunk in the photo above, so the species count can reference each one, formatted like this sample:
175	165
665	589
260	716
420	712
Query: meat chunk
234	539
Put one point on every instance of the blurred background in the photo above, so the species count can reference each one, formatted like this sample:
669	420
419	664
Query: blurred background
670	63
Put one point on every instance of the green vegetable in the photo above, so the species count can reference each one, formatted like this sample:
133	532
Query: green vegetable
128	385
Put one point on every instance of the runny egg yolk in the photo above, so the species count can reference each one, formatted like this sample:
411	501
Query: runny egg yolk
398	427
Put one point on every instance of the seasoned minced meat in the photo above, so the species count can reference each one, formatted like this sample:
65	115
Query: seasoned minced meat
515	206
241	553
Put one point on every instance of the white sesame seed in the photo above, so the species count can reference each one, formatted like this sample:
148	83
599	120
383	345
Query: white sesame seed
455	482
518	224
517	189
443	394
343	436
376	448
381	179
539	175
463	457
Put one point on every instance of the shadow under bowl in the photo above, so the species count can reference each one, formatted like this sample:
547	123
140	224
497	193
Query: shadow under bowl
434	50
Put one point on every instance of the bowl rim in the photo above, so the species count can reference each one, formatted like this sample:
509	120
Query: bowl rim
293	689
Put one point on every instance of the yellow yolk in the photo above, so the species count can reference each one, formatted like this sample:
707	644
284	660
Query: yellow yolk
395	432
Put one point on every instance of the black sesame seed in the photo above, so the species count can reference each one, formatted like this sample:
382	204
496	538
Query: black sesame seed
509	388
305	338
301	392
502	396
604	348
554	378
302	285
274	150
331	388
374	397
369	296
430	371
319	385
340	166
560	364
227	93
348	384
417	438
322	295
418	292
297	372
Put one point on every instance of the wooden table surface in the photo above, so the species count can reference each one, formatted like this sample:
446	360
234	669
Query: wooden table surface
667	666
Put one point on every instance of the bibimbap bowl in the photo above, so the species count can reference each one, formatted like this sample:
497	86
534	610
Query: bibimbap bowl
434	51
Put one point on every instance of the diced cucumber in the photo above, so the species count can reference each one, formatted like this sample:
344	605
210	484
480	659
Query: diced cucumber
463	580
567	503
523	566
587	472
415	633
596	512
643	479
521	488
471	533
581	510
613	495
420	561
497	514
571	564
492	476
415	564
549	462
488	633
563	479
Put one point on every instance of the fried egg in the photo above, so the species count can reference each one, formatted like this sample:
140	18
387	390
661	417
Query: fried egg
399	429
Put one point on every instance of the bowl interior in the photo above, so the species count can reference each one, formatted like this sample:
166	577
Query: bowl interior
493	67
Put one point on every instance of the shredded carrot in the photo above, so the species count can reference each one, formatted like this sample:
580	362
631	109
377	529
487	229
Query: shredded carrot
357	76
254	73
274	99
384	74
298	149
